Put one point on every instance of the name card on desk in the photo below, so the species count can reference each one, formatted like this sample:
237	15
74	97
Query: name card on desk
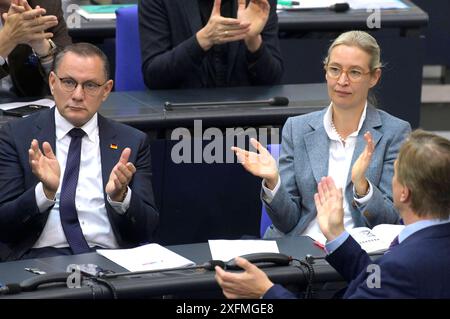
147	257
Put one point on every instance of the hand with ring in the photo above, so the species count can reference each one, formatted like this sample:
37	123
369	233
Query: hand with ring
221	30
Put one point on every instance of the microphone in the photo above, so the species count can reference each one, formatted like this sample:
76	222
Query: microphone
337	7
340	7
275	101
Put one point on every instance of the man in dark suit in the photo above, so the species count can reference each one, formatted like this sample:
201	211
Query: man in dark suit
89	185
209	43
28	41
416	265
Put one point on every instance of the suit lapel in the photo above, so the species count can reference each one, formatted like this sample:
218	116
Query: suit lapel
110	148
317	147
371	122
45	128
192	14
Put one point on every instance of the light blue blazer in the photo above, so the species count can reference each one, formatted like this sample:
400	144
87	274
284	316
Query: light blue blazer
304	161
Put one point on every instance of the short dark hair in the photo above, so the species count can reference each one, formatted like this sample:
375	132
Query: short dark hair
83	49
423	165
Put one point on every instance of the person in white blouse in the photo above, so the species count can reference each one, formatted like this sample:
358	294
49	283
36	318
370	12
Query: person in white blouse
44	210
336	142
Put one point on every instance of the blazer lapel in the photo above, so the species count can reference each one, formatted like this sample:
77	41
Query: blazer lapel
192	15
45	128
317	147
110	148
370	124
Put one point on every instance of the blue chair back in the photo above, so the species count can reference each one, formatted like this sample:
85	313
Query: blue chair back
128	51
274	149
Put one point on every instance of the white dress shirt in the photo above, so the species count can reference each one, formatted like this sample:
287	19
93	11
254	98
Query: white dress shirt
339	161
89	198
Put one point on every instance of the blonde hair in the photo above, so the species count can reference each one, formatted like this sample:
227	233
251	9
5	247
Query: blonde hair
362	40
423	165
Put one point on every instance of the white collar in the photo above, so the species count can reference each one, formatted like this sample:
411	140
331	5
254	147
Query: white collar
63	126
332	134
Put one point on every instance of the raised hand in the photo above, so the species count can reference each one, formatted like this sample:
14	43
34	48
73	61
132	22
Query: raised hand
120	177
257	14
252	283
45	167
360	166
261	164
221	30
330	210
24	25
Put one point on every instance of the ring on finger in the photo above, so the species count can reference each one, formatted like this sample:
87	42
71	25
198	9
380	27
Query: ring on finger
226	33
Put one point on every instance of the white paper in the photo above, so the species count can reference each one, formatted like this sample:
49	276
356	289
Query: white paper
96	16
147	257
371	240
354	4
226	250
45	102
377	239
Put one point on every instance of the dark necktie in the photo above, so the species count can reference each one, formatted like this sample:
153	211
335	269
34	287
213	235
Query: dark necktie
67	209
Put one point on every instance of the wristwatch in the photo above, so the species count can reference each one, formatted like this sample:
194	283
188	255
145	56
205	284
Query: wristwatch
50	52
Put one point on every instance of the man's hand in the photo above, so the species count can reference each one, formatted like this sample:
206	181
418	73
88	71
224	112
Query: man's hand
24	25
252	283
45	167
360	166
120	177
260	164
221	30
330	210
256	13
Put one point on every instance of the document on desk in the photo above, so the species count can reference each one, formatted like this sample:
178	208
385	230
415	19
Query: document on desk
226	250
43	102
146	257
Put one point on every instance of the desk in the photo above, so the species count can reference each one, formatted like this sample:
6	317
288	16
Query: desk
306	35
179	283
200	201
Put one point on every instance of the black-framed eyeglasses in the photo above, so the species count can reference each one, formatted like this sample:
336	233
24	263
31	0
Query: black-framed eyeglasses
353	74
89	87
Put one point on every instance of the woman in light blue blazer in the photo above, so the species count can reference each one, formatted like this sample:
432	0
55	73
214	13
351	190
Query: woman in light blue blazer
336	142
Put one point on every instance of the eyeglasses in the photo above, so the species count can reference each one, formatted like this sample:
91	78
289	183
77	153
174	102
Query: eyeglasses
354	75
89	87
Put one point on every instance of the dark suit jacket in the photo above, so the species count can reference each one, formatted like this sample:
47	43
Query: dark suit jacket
172	57
21	223
417	268
30	79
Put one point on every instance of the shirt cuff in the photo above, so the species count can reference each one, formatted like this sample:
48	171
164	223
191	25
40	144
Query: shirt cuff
269	194
336	243
42	202
363	200
121	207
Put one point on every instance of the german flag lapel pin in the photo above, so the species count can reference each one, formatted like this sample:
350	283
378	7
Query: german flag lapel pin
113	146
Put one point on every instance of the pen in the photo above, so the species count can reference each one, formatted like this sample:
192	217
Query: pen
288	3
